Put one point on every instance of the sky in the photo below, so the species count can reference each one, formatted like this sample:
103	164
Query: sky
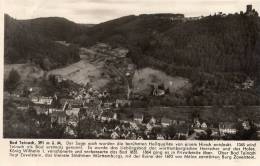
97	11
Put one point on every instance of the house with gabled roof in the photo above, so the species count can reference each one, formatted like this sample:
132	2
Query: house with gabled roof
149	127
204	125
134	126
124	135
152	120
104	129
160	136
117	128
114	135
196	124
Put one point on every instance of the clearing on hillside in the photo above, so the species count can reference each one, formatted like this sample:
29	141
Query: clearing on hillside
82	72
143	78
93	67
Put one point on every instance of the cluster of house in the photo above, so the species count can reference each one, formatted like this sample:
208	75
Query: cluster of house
67	115
91	103
74	110
97	104
222	129
135	126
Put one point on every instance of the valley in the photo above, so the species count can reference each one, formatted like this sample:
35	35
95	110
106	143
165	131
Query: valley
150	76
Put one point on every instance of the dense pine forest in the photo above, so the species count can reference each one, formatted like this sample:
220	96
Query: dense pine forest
26	42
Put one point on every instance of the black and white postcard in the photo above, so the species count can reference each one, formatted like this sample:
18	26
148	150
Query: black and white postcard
125	70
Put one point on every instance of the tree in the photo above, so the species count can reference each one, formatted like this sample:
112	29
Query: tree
16	123
12	82
171	131
86	128
243	134
155	131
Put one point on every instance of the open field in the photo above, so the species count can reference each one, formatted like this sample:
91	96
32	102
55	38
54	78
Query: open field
82	72
148	76
92	68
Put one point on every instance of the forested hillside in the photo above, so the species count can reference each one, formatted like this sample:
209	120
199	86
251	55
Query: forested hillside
54	28
25	43
211	44
217	53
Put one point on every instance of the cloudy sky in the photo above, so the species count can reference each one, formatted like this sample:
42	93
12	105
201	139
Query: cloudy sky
96	11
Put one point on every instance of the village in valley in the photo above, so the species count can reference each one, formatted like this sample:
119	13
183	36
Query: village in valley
83	111
104	94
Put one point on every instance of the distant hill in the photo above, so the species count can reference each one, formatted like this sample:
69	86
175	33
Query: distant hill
214	51
33	41
55	28
170	42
